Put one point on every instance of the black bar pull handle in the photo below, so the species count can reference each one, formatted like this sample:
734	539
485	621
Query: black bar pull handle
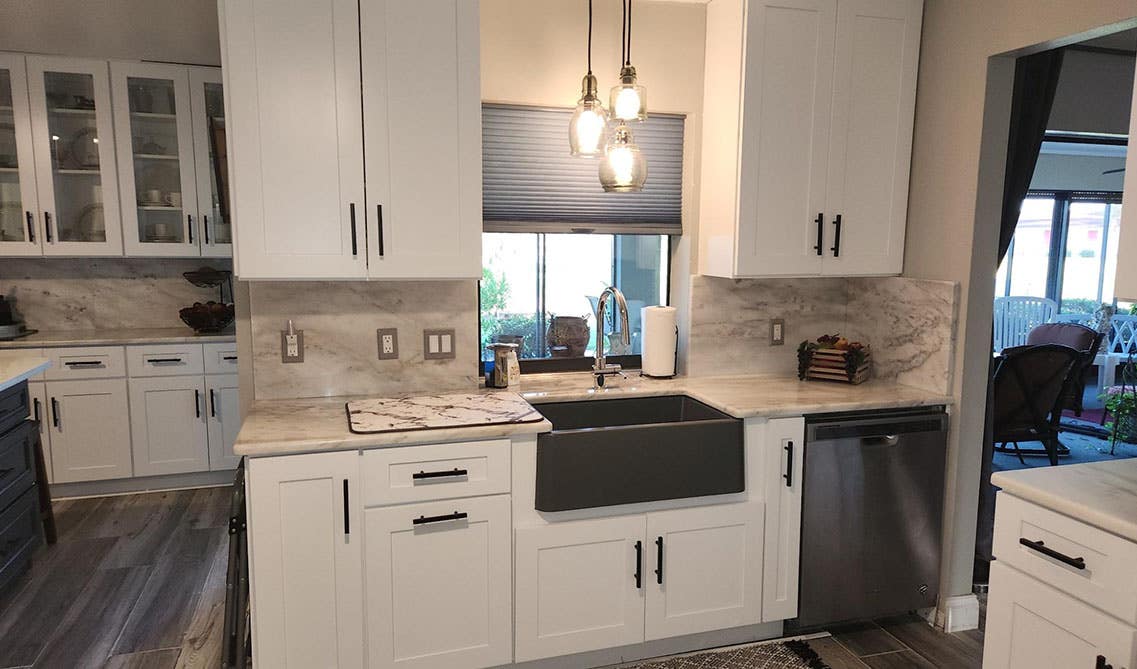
789	475
31	226
426	520
35	409
379	213
197	402
228	357
54	413
346	509
1076	563
820	221
163	361
84	363
659	560
47	225
212	403
836	248
436	475
189	229
354	241
639	565
205	227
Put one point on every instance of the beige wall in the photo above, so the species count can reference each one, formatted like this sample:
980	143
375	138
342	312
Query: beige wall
945	240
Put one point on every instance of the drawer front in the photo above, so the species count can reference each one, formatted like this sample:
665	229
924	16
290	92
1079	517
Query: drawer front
1108	580
85	362
15	405
17	461
19	534
435	471
220	358
164	360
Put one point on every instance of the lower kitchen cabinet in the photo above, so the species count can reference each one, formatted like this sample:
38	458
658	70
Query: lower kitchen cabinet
784	454
90	432
224	420
580	586
704	567
1032	625
306	560
438	584
38	393
168	425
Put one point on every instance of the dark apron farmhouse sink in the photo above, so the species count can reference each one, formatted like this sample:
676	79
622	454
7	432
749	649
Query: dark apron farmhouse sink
645	449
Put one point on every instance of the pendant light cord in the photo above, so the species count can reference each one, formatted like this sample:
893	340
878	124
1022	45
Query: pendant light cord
590	36
628	50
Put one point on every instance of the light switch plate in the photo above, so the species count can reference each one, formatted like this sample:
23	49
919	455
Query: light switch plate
438	344
286	346
388	341
777	332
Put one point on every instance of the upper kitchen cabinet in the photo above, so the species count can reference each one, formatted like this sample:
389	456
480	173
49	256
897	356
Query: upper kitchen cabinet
207	109
307	100
21	231
1125	286
73	145
808	110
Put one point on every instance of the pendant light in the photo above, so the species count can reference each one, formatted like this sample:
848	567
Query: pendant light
624	168
589	120
628	100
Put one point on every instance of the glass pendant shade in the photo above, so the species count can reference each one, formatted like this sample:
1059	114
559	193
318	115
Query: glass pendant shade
628	100
624	168
589	121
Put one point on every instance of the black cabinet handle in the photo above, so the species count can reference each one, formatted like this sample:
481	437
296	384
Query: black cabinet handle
47	225
228	357
197	402
163	361
426	520
379	213
346	510
659	560
1076	563
35	409
54	413
789	475
354	242
639	565
1101	663
31	226
205	227
435	475
84	363
836	248
212	404
189	229
820	221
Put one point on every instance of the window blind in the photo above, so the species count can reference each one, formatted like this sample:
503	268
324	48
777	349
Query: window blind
530	183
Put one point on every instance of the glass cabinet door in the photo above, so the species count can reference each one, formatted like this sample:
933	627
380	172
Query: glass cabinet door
207	106
19	213
74	149
156	172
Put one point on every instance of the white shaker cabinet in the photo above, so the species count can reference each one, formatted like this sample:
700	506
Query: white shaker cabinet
38	393
168	425
90	429
207	112
783	451
806	153
21	223
1126	285
224	420
305	552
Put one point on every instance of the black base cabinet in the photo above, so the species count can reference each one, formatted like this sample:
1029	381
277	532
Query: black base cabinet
20	526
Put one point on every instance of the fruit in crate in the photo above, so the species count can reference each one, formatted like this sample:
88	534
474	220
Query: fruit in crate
835	358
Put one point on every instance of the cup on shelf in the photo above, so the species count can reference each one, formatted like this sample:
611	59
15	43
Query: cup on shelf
174	199
153	197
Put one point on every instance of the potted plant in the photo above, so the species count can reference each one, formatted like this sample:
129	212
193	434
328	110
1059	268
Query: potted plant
1121	403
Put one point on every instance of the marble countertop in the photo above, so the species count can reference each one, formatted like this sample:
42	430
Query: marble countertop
16	367
436	412
276	427
114	337
1102	494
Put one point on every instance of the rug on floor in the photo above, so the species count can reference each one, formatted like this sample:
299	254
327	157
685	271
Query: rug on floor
777	655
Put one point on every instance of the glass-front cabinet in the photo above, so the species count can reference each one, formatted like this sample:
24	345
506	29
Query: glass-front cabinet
76	180
20	222
207	105
156	165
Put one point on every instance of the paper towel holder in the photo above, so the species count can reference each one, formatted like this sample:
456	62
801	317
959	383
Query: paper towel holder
675	365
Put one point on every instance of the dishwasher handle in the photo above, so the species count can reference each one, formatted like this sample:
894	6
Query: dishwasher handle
881	440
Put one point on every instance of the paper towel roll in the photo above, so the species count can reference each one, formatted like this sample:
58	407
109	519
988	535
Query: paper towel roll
660	338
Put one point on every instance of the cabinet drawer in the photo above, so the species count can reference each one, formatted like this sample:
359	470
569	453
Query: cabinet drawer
86	362
17	461
19	535
435	471
1108	580
164	360
220	358
15	405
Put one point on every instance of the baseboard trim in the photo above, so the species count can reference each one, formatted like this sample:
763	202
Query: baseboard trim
140	484
956	614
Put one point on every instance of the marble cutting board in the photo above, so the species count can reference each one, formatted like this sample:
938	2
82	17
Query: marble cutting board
434	412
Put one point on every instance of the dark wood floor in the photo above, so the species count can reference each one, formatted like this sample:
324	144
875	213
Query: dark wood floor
136	581
899	642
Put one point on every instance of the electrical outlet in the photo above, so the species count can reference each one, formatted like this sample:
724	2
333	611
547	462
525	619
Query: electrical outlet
388	343
777	332
292	346
438	344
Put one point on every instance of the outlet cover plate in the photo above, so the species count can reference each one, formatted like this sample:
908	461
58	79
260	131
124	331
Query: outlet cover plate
434	345
299	357
777	332
393	333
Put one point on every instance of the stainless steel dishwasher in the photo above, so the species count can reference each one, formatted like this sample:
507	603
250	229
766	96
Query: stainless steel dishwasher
872	514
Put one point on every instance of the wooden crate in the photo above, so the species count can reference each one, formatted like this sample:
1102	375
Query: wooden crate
829	364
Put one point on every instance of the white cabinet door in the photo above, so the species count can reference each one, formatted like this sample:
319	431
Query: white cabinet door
1030	625
306	567
224	420
90	430
207	113
295	133
785	136
575	586
704	569
422	125
21	231
783	451
874	102
76	174
167	425
439	576
156	165
1126	285
38	392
